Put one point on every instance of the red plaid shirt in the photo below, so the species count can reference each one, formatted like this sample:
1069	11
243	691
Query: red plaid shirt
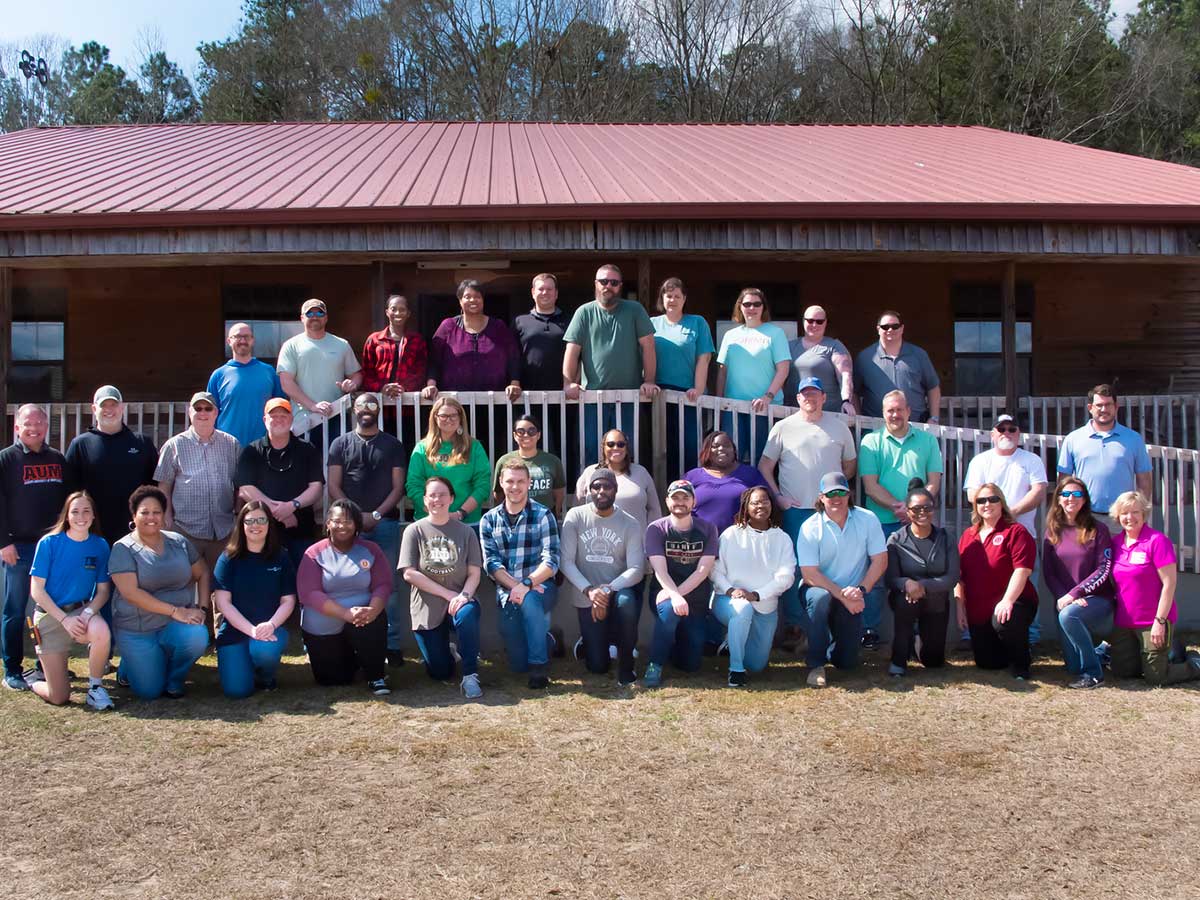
384	362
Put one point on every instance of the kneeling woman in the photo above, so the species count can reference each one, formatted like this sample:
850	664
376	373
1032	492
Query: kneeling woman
70	583
255	590
921	574
158	575
344	582
995	597
755	565
441	559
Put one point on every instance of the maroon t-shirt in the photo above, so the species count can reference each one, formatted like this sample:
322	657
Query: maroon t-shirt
987	567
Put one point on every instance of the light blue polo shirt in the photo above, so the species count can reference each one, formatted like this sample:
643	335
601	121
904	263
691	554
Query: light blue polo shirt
1107	463
677	347
896	462
842	555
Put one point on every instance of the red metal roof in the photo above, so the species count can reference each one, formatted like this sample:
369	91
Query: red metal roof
179	175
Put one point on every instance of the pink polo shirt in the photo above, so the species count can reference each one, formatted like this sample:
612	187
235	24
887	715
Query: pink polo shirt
1135	573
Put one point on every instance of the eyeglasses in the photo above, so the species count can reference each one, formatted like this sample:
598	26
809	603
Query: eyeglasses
1007	429
525	432
751	304
921	510
279	461
446	416
617	444
315	314
815	321
255	520
609	282
367	404
1078	495
896	326
980	501
838	493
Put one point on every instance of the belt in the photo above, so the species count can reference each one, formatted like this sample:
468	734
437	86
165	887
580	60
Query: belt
70	607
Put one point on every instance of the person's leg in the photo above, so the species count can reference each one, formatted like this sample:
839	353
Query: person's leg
369	646
847	629
818	604
535	618
665	625
12	619
1125	651
434	644
794	614
1157	668
758	641
466	628
931	626
689	641
987	647
1035	624
1015	635
330	657
387	535
56	688
595	641
626	606
265	657
143	663
737	616
1078	626
235	670
183	644
872	614
904	614
512	633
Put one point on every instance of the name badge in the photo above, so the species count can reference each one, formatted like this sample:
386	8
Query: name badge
998	540
1137	558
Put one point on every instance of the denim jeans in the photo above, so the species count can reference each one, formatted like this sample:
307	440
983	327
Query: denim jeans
434	643
248	664
1079	628
750	633
679	638
872	613
386	534
793	610
828	619
608	421
741	422
525	629
625	609
158	661
16	601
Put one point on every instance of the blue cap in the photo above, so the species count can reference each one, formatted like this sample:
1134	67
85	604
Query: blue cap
810	382
833	481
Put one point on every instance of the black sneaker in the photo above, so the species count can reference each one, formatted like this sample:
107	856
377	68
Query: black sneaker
558	644
538	682
395	658
870	639
1085	683
379	687
737	679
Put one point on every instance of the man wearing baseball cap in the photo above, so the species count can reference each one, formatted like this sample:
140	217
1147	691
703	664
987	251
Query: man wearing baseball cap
682	549
842	555
195	471
109	461
316	368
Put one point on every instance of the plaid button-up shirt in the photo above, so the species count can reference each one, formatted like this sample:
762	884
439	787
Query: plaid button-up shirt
521	547
201	475
384	363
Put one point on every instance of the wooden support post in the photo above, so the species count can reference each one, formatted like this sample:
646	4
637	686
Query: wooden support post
6	290
1008	328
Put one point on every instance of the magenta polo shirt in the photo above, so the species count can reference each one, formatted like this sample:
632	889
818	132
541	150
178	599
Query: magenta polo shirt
1135	572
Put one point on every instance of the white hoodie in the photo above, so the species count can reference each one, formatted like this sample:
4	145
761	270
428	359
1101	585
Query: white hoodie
758	561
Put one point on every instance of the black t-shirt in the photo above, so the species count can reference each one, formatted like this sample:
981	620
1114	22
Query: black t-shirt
367	465
542	348
283	475
110	467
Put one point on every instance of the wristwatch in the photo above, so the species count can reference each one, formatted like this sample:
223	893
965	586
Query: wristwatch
296	504
527	581
375	515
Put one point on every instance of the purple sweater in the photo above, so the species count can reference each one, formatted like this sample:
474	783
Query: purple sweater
1079	571
717	499
461	361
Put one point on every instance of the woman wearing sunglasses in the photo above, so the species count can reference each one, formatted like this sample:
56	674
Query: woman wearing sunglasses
752	364
921	574
254	584
547	480
1077	565
636	493
994	596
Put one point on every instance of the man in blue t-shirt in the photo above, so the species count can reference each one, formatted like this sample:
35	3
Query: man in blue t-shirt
242	387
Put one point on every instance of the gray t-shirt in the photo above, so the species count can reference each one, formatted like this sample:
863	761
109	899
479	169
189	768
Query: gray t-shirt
367	465
441	553
167	576
876	374
600	550
815	362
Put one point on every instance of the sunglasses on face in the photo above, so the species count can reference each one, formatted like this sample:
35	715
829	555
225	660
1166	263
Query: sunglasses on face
525	432
815	321
315	314
204	409
751	304
836	494
617	444
1007	429
980	501
1078	495
609	282
890	327
920	510
369	405
255	520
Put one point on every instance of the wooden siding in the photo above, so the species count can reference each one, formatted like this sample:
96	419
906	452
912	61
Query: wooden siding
336	243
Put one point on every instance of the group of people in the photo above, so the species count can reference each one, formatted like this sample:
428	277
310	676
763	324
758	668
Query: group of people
124	546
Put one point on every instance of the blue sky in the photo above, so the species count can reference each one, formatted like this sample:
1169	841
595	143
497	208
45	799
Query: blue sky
183	24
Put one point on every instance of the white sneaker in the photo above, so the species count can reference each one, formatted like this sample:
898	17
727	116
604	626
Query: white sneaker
470	687
816	677
97	698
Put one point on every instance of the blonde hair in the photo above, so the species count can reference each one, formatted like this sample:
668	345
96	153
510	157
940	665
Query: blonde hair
1128	500
461	440
991	488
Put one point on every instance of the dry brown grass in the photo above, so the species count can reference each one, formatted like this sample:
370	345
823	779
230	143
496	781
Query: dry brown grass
956	785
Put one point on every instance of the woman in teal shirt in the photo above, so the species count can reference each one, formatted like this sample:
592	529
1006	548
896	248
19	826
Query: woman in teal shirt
683	347
449	450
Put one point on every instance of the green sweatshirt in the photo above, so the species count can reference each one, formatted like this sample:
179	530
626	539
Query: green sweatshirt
470	479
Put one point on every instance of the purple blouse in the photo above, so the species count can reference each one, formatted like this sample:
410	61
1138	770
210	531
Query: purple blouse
717	499
1079	571
461	361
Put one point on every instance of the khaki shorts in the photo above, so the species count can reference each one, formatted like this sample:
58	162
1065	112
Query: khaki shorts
54	638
